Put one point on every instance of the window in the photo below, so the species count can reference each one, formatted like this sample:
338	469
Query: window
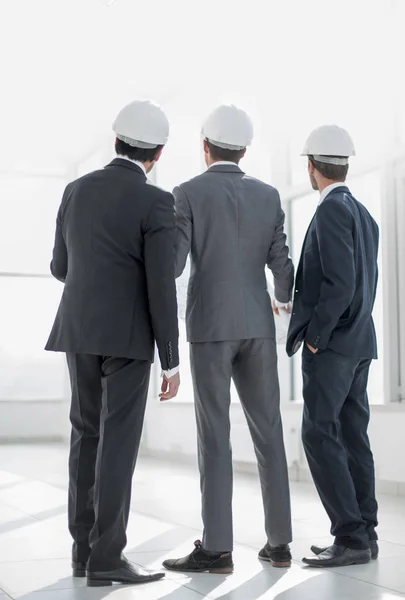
26	234
394	246
367	189
27	372
299	214
29	296
186	389
181	160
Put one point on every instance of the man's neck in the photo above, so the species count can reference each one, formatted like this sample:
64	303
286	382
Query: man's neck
324	183
145	166
325	191
222	162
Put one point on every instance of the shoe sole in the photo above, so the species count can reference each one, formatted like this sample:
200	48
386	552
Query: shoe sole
98	583
373	556
109	582
79	573
277	565
361	561
224	571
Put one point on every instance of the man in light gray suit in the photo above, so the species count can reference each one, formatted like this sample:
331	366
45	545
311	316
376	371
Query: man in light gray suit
233	226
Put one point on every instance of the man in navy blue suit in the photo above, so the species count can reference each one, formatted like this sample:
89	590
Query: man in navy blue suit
332	320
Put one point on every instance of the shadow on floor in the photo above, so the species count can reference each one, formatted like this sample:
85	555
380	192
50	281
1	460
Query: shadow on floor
29	519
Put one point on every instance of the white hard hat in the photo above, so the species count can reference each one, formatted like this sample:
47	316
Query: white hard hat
228	127
330	144
142	124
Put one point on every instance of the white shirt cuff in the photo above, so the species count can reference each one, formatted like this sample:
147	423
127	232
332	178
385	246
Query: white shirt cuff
171	372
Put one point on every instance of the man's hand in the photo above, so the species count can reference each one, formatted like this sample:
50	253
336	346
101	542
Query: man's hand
277	308
313	350
170	387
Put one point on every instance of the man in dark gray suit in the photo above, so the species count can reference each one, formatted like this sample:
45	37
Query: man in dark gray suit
114	251
233	226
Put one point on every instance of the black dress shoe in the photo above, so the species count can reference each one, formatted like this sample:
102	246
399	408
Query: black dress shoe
78	568
200	561
80	556
339	556
373	547
127	574
278	556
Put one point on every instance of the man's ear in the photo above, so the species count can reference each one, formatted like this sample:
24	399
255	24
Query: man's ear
158	155
206	148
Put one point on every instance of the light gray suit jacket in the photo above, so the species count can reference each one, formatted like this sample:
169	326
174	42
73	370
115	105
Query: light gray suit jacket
233	226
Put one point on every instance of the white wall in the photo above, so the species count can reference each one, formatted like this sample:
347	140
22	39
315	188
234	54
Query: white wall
34	420
170	430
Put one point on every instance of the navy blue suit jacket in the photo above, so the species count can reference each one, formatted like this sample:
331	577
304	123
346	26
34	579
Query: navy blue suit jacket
337	279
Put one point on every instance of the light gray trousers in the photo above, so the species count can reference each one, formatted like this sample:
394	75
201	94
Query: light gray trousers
252	364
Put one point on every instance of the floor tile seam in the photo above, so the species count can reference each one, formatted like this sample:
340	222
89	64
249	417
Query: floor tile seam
68	557
24	479
24	512
161	520
54	588
376	585
29	560
14	507
52	591
200	593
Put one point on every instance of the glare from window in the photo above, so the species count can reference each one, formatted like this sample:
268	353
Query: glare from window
287	69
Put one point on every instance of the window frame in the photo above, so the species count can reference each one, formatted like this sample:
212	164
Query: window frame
65	383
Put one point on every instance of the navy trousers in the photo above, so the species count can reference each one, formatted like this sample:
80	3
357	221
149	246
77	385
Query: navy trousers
334	434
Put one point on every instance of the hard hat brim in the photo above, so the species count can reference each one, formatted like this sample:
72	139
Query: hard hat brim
136	143
225	146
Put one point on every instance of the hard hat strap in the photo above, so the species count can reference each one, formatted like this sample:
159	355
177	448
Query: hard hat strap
331	160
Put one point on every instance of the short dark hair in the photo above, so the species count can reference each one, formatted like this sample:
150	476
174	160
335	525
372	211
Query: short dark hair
141	154
332	172
218	153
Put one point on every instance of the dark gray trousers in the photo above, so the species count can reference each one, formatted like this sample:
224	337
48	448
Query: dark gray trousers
107	412
252	364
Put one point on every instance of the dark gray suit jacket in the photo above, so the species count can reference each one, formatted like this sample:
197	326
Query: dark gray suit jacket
233	226
114	250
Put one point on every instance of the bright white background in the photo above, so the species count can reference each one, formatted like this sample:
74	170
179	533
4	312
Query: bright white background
67	67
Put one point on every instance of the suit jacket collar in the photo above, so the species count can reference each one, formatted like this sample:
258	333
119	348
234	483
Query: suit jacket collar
225	169
339	190
121	162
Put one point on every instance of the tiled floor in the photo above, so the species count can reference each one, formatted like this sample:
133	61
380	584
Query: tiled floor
35	546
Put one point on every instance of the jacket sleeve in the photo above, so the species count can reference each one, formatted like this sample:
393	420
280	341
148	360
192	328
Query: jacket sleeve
334	229
159	255
59	263
279	261
184	230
